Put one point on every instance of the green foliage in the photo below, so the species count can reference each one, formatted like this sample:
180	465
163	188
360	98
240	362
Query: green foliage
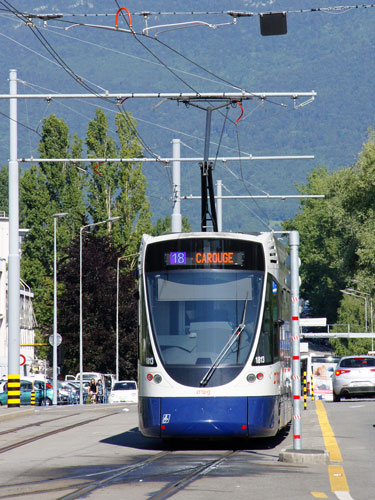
164	226
57	187
118	188
99	309
45	190
4	180
337	241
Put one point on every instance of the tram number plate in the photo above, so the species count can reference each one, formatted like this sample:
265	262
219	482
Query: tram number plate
166	418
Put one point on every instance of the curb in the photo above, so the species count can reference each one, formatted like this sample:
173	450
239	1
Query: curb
304	456
10	414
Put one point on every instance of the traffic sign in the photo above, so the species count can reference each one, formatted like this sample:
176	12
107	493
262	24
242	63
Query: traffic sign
58	338
23	359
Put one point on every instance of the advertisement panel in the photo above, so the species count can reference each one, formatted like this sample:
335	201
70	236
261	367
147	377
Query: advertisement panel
322	368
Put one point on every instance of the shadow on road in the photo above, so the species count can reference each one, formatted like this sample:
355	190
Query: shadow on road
134	439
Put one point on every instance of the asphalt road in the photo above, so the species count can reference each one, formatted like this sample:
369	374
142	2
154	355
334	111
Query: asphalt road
97	452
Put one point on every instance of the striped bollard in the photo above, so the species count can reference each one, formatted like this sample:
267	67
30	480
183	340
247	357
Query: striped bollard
312	387
32	398
14	391
304	391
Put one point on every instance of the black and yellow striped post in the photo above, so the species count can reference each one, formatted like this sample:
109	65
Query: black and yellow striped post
304	391
14	391
32	396
312	387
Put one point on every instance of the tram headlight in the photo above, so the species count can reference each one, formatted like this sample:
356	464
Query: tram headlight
260	376
157	378
149	377
251	377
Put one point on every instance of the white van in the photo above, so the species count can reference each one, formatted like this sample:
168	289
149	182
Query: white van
87	376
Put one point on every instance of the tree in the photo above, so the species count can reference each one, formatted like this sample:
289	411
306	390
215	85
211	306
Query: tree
4	189
118	188
47	189
337	239
164	226
99	309
322	271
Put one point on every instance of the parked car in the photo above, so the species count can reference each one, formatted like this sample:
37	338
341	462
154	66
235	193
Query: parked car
43	393
67	393
354	377
124	391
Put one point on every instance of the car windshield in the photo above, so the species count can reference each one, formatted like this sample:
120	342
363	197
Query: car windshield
195	312
125	386
357	362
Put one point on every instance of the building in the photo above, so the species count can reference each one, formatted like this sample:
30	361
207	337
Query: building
27	320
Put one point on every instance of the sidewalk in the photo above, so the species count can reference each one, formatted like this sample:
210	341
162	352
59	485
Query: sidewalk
312	447
13	413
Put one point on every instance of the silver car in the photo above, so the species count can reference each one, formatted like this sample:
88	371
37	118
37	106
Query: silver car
354	376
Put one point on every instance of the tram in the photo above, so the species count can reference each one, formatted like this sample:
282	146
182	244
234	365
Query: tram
214	336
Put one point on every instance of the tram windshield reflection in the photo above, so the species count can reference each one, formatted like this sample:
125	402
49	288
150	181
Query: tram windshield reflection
194	313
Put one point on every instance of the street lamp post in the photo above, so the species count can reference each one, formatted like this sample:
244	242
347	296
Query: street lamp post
54	347
347	292
111	219
371	311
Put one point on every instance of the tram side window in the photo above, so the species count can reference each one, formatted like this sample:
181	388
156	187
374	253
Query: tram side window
268	350
146	355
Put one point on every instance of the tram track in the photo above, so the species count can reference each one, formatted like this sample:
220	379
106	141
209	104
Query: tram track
166	492
82	486
36	424
32	439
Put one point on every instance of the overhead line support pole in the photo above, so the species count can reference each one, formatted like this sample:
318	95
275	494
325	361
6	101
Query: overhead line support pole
176	221
14	393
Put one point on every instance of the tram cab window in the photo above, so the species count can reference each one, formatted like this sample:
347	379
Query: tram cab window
268	350
194	313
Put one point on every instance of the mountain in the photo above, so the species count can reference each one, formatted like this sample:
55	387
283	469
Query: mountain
330	52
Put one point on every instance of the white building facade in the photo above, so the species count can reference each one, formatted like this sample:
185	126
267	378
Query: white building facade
27	321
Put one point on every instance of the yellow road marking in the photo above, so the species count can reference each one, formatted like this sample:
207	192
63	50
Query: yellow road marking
337	478
327	432
318	494
336	473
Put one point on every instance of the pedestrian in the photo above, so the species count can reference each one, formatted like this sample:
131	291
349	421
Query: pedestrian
93	391
107	389
100	391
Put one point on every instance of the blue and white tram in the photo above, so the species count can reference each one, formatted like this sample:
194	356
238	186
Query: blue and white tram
214	337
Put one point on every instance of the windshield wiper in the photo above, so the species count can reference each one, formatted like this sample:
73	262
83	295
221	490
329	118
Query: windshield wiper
237	332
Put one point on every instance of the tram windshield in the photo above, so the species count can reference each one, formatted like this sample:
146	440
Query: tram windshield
195	312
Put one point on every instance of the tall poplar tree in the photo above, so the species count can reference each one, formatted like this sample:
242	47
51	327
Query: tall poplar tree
118	188
47	189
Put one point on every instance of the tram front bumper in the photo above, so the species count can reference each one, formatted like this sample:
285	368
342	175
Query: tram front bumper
208	417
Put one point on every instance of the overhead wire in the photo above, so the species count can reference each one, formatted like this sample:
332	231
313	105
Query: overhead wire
70	72
20	123
117	51
242	177
154	55
66	67
250	210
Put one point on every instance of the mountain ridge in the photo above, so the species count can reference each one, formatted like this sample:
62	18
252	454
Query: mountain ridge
329	54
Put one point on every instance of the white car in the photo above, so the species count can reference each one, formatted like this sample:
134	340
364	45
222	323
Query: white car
124	391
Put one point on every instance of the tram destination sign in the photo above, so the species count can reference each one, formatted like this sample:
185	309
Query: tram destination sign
202	258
